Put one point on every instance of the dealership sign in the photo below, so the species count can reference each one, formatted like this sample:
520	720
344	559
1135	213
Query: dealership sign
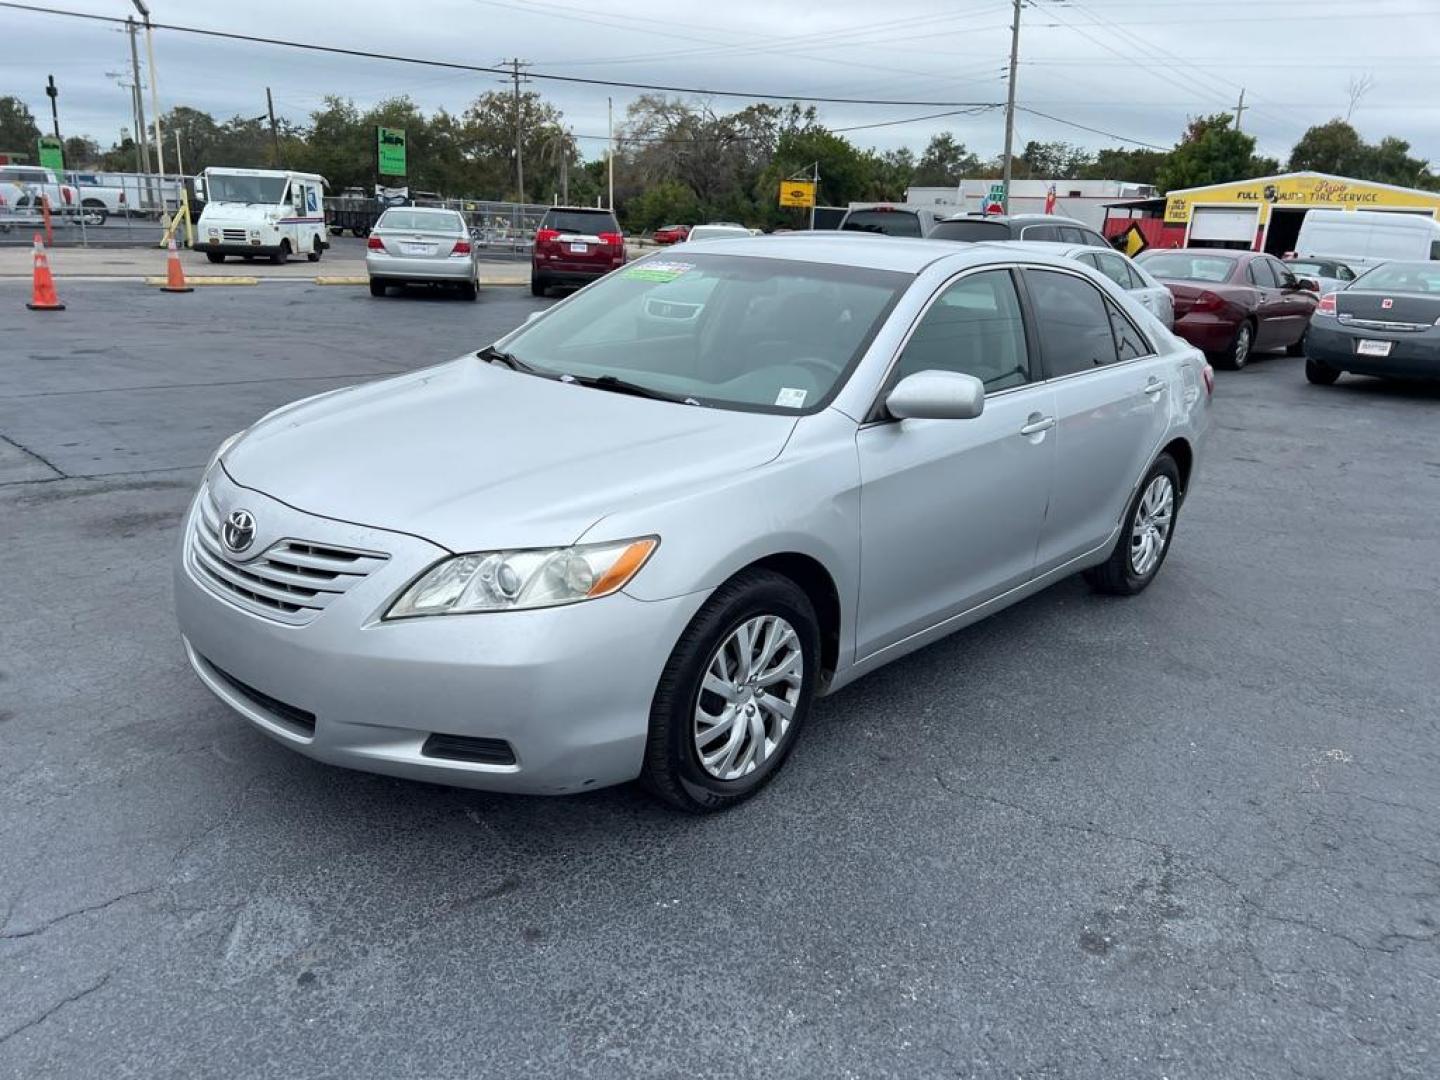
1301	191
797	192
390	150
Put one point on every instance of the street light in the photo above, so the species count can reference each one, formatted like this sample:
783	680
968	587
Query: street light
154	92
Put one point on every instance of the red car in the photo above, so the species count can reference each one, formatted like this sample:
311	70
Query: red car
573	246
1231	303
671	234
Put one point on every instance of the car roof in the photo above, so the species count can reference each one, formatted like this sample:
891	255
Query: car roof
905	254
1057	247
1020	219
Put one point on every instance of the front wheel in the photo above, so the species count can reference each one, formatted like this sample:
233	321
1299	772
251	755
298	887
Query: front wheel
283	255
1144	540
1320	374
734	694
215	256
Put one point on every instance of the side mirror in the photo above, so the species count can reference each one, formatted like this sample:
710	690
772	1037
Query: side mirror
937	395
1309	284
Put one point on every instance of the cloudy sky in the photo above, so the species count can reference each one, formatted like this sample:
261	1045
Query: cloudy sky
1134	68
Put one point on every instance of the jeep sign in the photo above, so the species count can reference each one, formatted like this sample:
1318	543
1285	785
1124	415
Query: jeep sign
390	149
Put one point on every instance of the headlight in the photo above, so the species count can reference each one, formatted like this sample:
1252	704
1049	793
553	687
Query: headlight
220	450
516	580
254	232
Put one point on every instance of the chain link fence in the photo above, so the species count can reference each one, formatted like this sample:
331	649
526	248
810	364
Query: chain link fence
86	209
496	228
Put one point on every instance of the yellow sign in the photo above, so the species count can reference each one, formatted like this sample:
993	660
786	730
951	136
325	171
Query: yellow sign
1134	241
1301	191
797	192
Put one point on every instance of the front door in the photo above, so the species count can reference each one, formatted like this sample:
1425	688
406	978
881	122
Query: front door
951	510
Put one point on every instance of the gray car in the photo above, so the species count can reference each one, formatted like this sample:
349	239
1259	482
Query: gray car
420	245
638	536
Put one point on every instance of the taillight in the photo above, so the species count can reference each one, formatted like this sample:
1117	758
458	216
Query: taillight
1207	301
547	236
1208	374
611	239
1326	305
462	247
68	195
375	244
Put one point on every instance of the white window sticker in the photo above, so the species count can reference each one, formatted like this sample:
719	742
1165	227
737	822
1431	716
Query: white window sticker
790	398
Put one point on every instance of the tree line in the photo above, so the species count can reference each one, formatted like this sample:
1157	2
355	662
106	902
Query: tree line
678	160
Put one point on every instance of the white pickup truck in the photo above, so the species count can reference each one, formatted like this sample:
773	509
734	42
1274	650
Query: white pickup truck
98	200
20	189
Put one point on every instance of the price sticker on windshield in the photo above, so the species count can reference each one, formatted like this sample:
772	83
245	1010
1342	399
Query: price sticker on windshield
657	271
790	398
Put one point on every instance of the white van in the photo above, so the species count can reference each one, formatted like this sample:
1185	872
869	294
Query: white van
1368	236
252	212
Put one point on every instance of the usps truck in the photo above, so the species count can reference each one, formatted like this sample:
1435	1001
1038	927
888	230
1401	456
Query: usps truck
254	212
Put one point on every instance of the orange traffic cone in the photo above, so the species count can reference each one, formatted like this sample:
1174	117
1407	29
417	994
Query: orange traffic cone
42	293
174	273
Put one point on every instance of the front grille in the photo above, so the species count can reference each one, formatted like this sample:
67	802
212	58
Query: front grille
469	748
233	236
291	581
291	714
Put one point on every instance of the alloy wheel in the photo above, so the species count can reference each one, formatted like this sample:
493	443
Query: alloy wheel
1242	345
1151	528
748	697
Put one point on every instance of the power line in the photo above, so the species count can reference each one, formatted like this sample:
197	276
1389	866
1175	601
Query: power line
1093	130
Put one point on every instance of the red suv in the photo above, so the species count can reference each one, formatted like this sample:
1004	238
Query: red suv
574	246
671	234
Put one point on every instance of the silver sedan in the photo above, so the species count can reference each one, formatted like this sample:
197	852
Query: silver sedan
421	245
637	537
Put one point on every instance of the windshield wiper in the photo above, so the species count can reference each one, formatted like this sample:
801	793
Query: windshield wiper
618	385
499	356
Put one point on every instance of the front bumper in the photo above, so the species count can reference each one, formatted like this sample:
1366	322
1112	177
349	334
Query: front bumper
569	688
1413	354
1206	332
418	268
239	249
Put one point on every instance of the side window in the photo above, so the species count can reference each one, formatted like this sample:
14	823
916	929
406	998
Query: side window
1040	232
1073	322
1129	344
1114	269
1071	235
1283	274
1261	274
1344	273
974	327
1135	280
1094	239
1088	258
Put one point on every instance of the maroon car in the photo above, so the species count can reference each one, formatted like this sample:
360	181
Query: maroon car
1231	303
671	234
573	246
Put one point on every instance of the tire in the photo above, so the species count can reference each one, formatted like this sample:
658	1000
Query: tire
1297	348
315	251
377	288
335	230
283	255
94	212
470	290
673	768
538	286
215	256
1320	374
1118	575
1238	354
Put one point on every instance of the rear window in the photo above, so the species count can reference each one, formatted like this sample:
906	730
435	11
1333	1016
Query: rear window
584	222
1177	266
1401	278
419	221
887	222
974	231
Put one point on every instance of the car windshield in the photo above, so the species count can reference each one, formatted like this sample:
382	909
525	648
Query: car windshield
229	187
971	230
419	221
584	222
765	335
888	222
1401	278
1179	266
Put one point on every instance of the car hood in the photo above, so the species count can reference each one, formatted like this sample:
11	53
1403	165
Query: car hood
472	457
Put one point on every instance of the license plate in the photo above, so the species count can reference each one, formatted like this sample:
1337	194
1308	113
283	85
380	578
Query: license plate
1374	348
415	249
579	249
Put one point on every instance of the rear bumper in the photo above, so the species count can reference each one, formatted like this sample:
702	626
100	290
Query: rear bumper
1208	333
406	268
1412	355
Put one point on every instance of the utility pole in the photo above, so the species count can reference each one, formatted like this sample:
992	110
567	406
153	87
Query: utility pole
1010	104
515	64
154	93
52	93
1239	108
140	138
610	157
274	132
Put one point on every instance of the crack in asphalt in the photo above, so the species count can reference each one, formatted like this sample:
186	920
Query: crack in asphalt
34	931
78	995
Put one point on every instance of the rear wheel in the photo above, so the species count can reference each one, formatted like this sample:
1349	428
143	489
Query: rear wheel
470	290
1144	540
538	286
377	288
94	212
1320	374
215	256
315	250
734	694
1238	354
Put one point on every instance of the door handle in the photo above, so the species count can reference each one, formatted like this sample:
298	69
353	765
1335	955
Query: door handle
1154	386
1037	423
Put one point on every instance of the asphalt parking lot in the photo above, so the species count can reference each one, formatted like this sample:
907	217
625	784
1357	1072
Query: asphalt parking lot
1187	835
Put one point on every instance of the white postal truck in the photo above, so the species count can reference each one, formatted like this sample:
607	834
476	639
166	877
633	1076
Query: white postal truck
270	212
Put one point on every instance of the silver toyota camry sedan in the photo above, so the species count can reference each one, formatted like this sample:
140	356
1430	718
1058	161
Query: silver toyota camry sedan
639	535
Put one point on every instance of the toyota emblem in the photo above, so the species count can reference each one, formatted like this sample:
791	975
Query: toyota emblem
238	532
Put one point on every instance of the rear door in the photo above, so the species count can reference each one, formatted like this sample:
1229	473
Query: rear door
1111	392
1270	314
1295	306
